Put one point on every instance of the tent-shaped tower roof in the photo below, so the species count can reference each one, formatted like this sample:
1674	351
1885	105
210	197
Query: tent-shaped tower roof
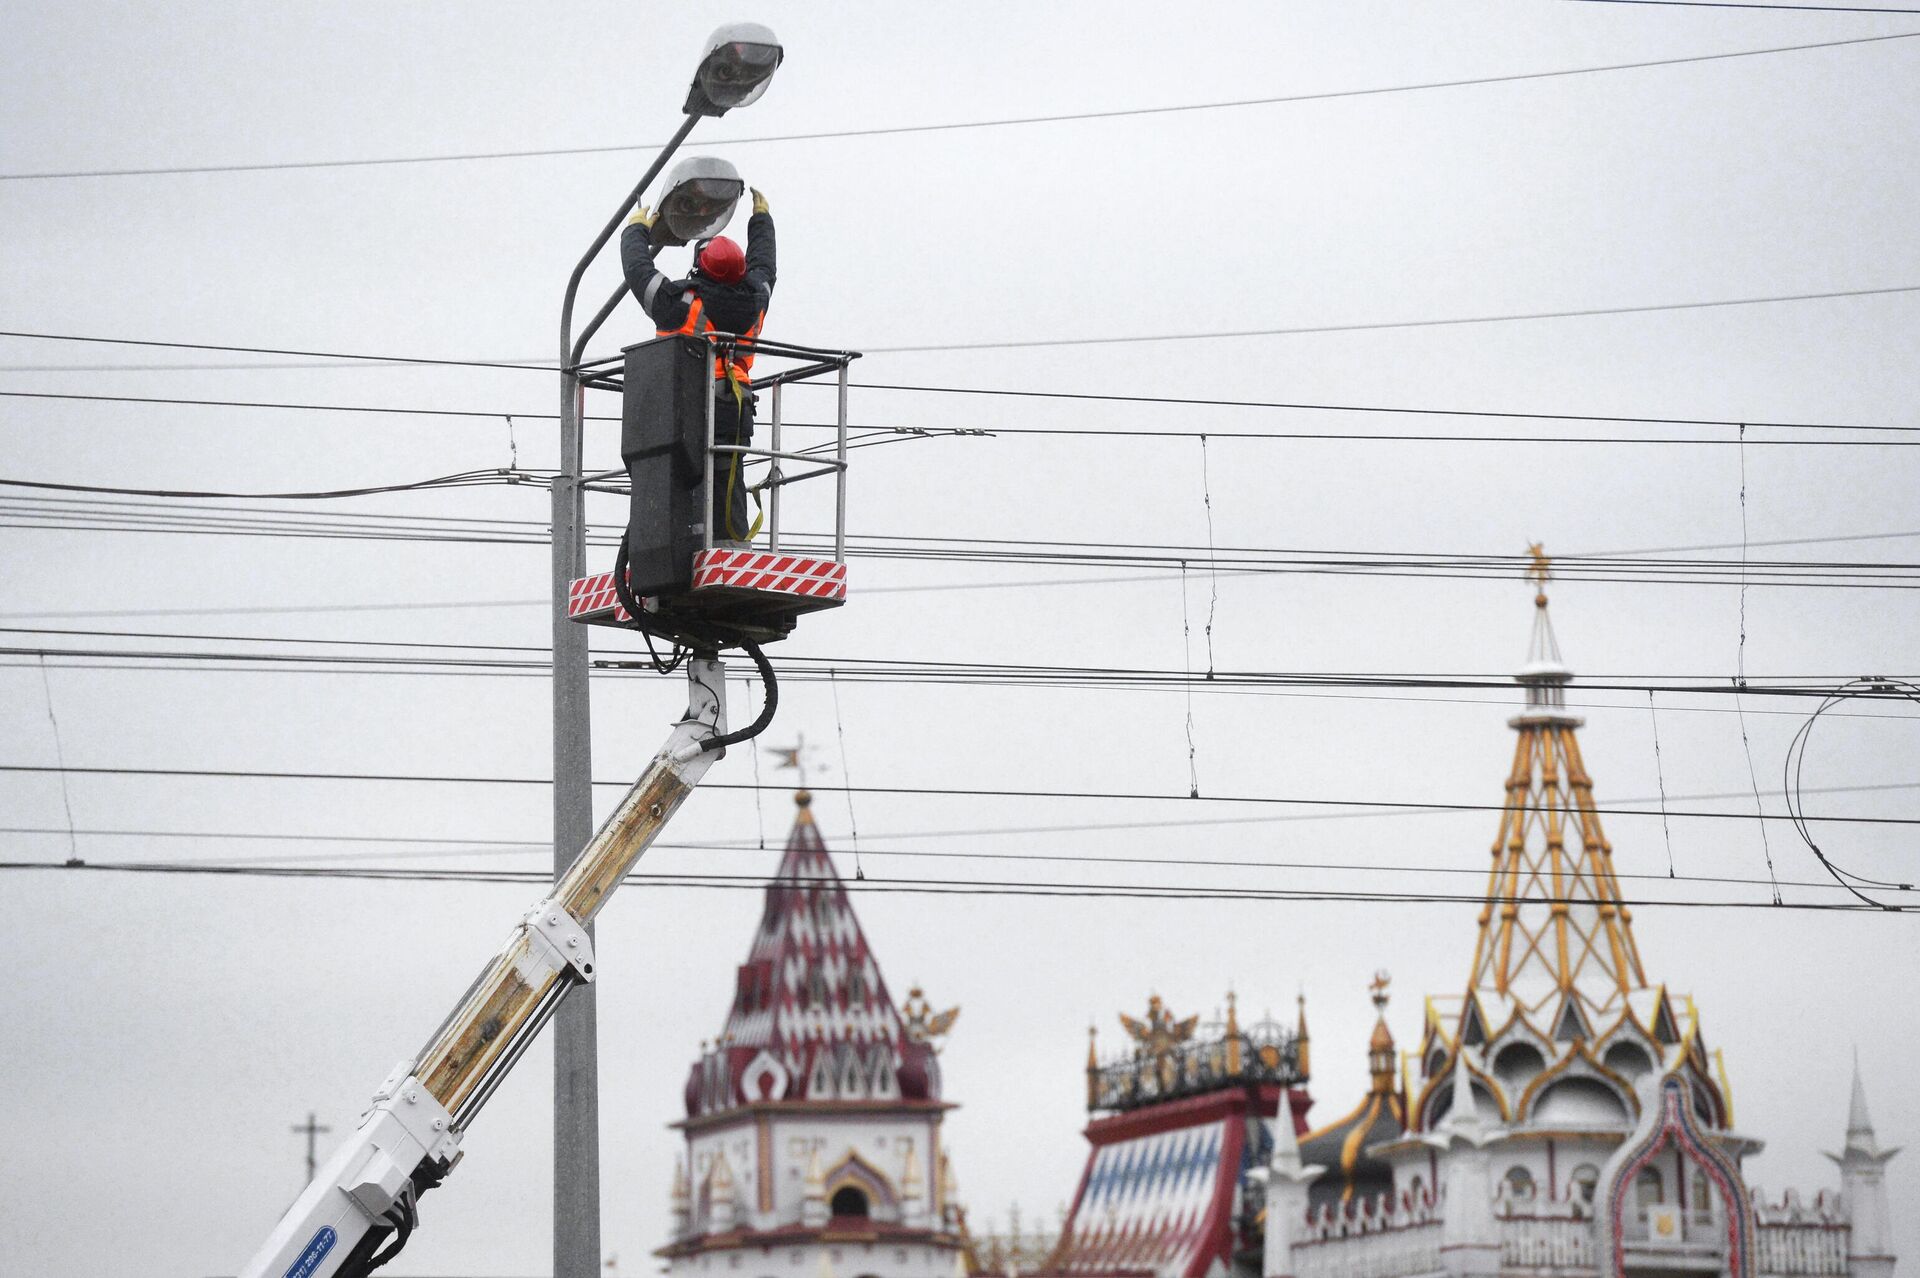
811	1018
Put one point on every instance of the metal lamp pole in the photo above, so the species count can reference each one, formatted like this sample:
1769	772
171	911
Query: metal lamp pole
733	72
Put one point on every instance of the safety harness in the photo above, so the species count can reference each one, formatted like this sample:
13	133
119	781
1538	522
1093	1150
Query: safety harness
735	368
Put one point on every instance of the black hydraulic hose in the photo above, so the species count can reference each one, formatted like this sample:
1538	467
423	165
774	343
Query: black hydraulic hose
621	588
772	703
403	1219
624	592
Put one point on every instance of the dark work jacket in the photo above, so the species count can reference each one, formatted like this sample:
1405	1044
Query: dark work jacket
730	308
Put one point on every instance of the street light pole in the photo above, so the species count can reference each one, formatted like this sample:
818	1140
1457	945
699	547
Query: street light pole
576	1067
738	62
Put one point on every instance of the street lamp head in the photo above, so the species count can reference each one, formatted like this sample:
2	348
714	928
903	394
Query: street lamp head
736	68
698	200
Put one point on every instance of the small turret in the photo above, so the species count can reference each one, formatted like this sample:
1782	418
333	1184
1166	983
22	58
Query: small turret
1380	1050
682	1209
1863	1181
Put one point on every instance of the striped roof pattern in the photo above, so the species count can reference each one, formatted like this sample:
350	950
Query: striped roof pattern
1149	1204
810	997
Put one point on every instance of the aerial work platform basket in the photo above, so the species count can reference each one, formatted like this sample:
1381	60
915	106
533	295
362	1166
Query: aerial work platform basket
691	586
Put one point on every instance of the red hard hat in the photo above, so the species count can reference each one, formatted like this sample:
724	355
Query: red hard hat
722	260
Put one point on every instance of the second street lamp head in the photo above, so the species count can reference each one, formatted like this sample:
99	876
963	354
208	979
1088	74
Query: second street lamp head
736	68
698	200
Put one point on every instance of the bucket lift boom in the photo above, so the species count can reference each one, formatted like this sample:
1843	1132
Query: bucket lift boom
360	1208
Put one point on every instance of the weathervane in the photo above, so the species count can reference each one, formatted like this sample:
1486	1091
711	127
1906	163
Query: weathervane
794	757
1538	572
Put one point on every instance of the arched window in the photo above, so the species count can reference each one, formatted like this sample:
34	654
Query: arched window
849	1201
1586	1182
1519	1184
1517	1063
1649	1189
1700	1199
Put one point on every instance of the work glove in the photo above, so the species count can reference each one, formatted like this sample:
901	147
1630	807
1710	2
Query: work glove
641	217
759	202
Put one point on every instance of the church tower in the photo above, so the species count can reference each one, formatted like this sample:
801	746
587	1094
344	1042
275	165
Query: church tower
813	1120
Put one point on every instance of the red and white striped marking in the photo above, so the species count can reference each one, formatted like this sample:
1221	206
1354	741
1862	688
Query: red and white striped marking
778	574
821	582
595	599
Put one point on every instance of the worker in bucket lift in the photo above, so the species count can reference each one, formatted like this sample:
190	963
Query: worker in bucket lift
727	292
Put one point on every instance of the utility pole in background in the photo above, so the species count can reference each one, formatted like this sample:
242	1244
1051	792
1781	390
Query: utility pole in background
735	67
310	1129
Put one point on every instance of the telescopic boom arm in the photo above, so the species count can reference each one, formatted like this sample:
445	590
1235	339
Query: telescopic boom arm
360	1208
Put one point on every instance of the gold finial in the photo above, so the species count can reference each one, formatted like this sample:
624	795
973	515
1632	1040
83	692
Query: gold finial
1538	572
1093	1058
803	798
921	1023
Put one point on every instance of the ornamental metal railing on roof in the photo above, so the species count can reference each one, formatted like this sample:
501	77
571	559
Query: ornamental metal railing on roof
1268	1054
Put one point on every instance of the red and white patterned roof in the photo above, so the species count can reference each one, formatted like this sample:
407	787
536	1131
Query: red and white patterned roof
811	1018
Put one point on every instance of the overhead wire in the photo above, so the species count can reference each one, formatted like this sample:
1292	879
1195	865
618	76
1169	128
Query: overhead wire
1189	401
962	125
914	670
925	886
1757	4
1104	796
1792	781
99	514
1055	342
1371	326
544	846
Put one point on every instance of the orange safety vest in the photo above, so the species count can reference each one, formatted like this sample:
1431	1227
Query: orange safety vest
739	369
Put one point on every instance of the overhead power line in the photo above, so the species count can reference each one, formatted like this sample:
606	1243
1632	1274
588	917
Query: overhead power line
1756	4
1157	560
1009	674
274	350
413	848
961	125
1105	796
495	414
1042	342
929	887
1371	326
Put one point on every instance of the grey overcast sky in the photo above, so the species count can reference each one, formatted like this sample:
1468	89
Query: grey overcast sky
162	1034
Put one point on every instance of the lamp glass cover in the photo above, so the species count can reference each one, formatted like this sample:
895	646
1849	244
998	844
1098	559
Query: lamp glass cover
738	72
701	206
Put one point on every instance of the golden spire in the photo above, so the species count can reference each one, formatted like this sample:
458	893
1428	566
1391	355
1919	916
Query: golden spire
1553	929
1233	1037
1093	1067
1306	1069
